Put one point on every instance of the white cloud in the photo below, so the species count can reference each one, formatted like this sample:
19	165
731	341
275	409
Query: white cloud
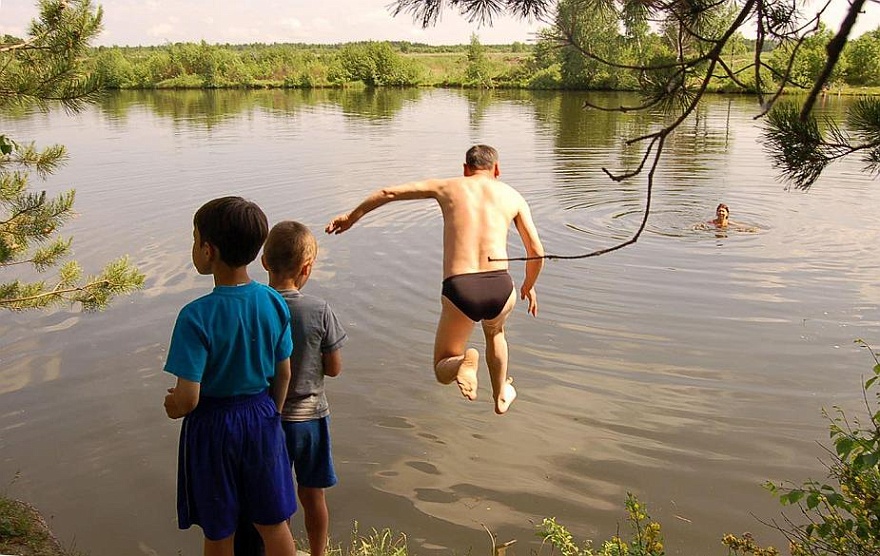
161	30
290	23
241	34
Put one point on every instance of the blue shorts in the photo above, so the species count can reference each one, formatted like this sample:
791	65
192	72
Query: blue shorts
233	462
308	445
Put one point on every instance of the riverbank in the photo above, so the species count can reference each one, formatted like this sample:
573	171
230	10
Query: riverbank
24	531
399	64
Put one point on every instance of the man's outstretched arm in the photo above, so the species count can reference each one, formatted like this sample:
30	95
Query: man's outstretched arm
532	243
414	190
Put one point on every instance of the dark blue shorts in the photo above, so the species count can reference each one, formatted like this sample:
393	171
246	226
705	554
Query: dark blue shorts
308	445
233	461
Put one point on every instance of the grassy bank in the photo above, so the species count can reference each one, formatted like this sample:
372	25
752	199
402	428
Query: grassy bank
24	532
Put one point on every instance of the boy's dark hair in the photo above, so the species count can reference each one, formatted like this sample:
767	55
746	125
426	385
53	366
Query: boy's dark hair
236	227
481	157
288	247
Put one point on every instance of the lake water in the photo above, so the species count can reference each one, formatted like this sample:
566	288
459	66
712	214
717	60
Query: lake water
687	368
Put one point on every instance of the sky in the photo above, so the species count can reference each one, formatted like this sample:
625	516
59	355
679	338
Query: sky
152	22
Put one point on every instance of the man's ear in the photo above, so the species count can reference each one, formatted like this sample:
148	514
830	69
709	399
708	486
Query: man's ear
497	170
467	170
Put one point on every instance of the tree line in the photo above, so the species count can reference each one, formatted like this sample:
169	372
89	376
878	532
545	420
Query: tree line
542	65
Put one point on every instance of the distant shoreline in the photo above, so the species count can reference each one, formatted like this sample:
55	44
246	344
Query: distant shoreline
518	65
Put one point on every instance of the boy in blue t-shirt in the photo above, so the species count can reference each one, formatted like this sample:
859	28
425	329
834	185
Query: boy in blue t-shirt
230	351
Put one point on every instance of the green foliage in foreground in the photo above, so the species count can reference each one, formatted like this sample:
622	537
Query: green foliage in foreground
842	517
29	222
49	67
644	540
24	532
377	543
801	149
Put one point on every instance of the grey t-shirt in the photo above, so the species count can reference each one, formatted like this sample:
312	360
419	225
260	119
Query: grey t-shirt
316	331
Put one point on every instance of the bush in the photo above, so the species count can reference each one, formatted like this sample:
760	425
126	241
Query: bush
547	78
377	64
645	538
837	518
842	518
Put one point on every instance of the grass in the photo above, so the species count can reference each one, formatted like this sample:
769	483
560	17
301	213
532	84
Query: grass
377	543
24	532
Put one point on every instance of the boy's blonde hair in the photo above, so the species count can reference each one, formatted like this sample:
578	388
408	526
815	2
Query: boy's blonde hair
289	247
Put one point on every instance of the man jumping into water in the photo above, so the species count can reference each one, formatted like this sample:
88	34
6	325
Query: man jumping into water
477	211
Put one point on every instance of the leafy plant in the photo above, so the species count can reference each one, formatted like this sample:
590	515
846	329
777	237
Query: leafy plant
645	538
842	517
377	543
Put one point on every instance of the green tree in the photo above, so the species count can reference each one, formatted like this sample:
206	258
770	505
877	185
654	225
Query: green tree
594	27
863	59
806	59
479	70
376	64
113	69
50	66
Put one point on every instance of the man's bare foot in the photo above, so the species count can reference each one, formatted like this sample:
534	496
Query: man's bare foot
508	394
467	374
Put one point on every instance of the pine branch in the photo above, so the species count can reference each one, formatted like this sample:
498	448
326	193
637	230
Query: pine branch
117	278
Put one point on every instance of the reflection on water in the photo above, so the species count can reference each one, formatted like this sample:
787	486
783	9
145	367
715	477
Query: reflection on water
687	368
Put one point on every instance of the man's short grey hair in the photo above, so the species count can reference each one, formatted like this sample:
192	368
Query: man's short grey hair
481	157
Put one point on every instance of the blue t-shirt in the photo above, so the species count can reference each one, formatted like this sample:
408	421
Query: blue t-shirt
230	340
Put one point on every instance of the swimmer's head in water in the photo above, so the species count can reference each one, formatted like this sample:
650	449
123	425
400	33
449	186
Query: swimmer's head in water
722	211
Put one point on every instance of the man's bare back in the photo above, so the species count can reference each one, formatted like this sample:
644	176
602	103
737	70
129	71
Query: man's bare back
477	211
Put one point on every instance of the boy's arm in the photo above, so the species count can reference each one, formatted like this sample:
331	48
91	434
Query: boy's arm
182	399
278	390
532	243
414	190
332	362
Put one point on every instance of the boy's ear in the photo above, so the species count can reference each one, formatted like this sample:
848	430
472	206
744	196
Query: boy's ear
307	268
263	262
211	252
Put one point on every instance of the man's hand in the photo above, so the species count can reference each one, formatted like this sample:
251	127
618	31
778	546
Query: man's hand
340	224
532	296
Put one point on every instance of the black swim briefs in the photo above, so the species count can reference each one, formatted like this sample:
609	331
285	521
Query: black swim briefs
480	295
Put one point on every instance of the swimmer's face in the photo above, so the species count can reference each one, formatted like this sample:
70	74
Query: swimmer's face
722	212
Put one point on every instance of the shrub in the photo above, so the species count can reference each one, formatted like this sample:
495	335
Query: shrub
842	517
645	538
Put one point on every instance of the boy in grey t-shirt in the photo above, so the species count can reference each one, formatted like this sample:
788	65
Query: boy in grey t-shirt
288	256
